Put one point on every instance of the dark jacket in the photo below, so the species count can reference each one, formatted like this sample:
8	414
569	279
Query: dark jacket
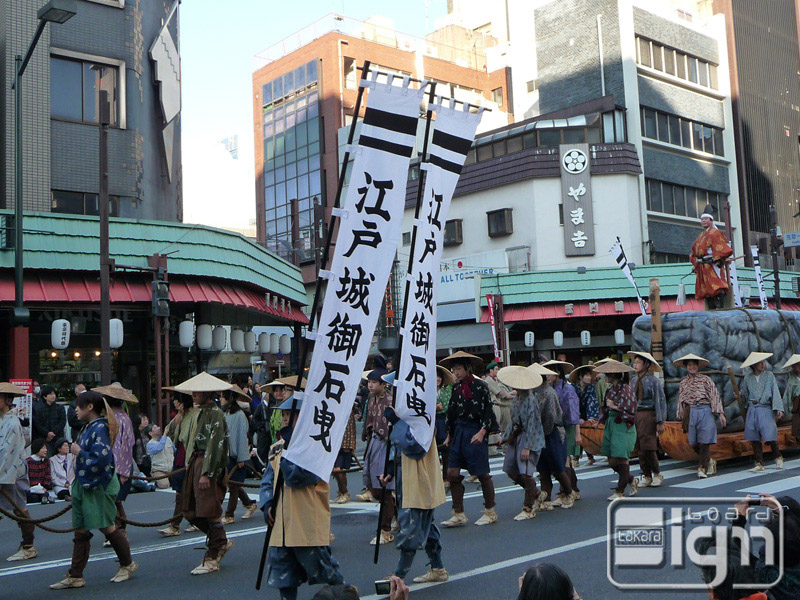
47	418
261	416
75	423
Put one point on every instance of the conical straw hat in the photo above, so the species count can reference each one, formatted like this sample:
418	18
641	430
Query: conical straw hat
519	378
239	391
602	361
446	374
681	362
755	358
203	382
11	390
541	370
656	368
578	372
475	361
613	366
793	360
116	391
568	366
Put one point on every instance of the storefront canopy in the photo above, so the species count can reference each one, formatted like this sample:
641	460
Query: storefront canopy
538	295
208	266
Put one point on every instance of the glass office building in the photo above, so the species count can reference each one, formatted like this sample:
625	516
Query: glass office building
292	160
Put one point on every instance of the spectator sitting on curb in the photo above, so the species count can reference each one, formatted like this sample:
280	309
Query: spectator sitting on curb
39	473
161	453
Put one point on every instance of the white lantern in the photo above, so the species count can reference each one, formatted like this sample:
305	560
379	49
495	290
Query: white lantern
204	337
115	333
263	343
529	339
274	343
558	339
250	342
219	338
237	340
186	334
586	338
619	337
59	334
286	345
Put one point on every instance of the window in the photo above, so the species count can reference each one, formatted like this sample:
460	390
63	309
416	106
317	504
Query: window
453	232
497	96
549	137
484	152
75	87
532	85
500	222
678	131
668	60
681	200
116	3
406	238
518	259
350	73
79	203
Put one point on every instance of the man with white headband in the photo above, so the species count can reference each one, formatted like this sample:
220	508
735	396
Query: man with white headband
709	254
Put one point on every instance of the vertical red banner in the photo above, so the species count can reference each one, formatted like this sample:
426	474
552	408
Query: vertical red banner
490	302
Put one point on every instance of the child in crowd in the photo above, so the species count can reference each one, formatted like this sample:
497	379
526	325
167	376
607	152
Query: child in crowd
39	473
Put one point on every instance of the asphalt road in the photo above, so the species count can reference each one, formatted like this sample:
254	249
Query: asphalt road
484	562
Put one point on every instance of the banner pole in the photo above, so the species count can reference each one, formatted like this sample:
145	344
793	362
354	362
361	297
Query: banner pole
314	309
398	352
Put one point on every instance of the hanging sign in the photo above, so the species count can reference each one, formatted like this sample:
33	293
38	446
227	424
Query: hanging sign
453	134
576	199
369	232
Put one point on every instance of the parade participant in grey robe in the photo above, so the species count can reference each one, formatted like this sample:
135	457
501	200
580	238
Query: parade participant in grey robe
651	411
524	435
764	404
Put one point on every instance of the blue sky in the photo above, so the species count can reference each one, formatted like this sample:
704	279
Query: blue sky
218	42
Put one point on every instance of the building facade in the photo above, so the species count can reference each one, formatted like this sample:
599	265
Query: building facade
765	60
306	91
124	48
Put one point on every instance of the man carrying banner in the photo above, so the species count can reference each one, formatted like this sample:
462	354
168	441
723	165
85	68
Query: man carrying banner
710	251
376	429
420	490
299	549
204	484
470	419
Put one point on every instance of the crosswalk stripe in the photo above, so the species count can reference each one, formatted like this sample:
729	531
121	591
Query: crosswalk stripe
744	475
773	488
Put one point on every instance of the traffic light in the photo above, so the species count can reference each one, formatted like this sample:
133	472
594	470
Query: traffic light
160	297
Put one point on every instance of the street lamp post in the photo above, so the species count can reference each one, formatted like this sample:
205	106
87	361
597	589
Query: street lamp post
55	11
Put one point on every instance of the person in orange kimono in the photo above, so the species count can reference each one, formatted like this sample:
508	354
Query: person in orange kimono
709	254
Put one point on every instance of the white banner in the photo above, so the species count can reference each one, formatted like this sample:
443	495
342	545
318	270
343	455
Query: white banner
369	231
762	292
735	289
622	261
453	134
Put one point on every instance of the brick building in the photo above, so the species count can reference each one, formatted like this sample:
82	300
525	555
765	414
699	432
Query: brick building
307	91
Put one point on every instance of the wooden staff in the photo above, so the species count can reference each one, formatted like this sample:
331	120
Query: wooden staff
736	391
656	338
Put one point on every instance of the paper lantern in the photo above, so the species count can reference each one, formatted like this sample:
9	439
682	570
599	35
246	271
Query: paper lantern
186	334
219	338
115	331
263	343
285	345
619	337
204	337
59	334
237	340
274	343
250	342
529	339
586	338
558	339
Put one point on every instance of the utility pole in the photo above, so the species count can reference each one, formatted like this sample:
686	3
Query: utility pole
776	241
105	261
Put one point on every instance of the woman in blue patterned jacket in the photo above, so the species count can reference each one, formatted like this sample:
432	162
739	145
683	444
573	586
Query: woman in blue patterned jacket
94	491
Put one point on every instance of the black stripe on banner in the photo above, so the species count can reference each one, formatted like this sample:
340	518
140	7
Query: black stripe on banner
451	142
445	164
391	121
391	147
